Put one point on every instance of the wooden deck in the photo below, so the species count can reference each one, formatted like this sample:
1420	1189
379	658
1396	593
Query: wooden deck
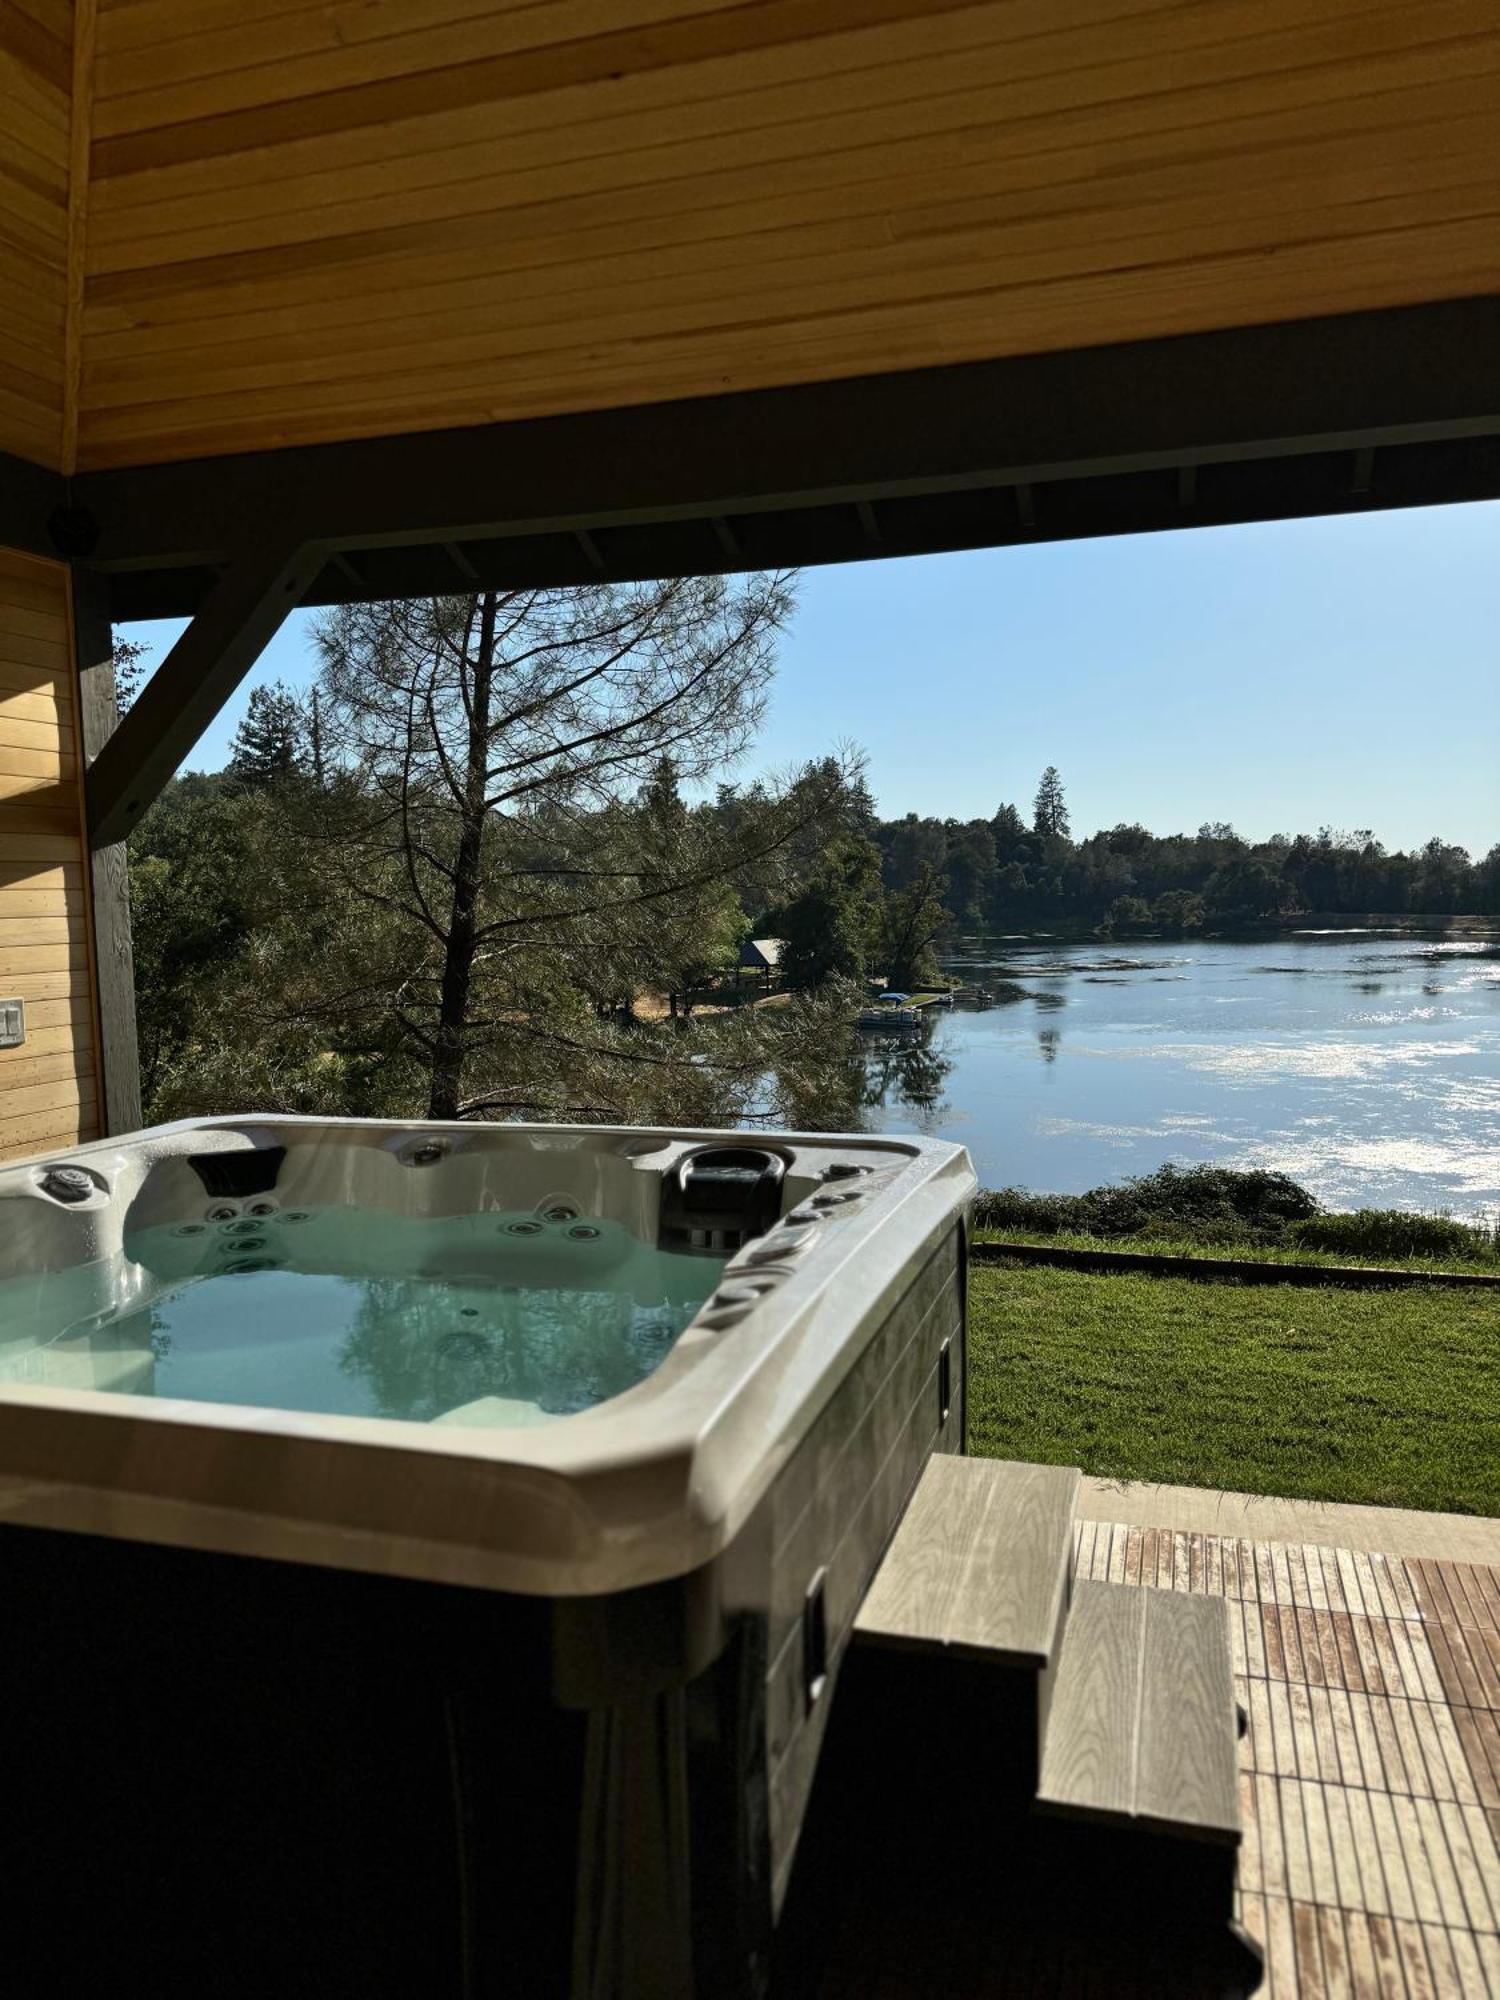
1370	1770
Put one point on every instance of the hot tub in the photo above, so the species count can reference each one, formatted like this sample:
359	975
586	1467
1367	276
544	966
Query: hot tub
429	1549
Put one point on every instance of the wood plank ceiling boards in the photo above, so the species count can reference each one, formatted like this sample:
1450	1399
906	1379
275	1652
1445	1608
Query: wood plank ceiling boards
316	222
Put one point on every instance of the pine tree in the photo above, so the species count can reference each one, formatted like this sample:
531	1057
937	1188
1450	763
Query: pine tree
268	745
663	813
1050	813
1012	841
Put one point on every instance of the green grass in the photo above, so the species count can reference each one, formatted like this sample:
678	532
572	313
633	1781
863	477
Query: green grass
1388	1398
1255	1253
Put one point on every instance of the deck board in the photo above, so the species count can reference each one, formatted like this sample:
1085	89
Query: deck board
1093	1731
1141	1725
979	1564
1369	1775
1185	1763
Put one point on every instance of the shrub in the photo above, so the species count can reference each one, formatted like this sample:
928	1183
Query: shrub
1254	1200
1019	1208
1393	1232
1225	1207
1209	1204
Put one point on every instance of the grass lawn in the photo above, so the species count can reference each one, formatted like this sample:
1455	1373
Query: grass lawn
1389	1398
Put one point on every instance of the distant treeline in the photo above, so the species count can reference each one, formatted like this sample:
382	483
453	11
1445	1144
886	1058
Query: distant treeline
1012	870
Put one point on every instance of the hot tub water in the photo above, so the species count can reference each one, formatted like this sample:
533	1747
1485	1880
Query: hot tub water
490	1319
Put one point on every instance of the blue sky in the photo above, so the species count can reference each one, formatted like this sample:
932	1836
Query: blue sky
1282	676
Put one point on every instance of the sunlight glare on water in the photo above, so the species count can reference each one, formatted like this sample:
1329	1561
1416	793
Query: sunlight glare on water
1364	1062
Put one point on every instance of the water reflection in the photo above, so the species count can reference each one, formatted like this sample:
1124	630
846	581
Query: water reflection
993	993
359	1314
1254	1051
414	1352
906	1070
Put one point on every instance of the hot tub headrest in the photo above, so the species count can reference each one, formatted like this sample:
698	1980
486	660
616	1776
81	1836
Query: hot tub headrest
721	1196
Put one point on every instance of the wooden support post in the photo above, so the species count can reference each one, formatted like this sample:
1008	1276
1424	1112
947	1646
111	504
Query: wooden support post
93	653
242	612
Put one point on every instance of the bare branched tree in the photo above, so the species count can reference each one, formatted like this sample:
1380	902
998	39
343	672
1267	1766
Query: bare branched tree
496	786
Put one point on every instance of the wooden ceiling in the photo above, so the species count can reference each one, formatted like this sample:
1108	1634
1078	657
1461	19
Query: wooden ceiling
270	223
36	72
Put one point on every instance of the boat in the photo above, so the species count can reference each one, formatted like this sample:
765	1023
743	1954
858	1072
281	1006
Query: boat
890	1010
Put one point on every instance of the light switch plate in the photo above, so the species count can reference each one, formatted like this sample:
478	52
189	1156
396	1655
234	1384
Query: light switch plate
12	1023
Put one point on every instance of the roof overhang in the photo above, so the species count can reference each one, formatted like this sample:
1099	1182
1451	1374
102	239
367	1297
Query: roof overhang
1393	408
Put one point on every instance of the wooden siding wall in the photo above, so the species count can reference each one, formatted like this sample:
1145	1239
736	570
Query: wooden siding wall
36	61
48	1087
313	221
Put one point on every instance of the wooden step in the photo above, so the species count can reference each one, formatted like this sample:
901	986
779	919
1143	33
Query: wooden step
1142	1725
978	1568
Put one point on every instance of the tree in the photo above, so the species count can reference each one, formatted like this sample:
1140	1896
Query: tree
1248	891
1130	840
269	745
1442	882
969	867
1128	913
822	936
1050	812
315	740
130	656
913	847
236	929
1183	878
695	934
493	750
825	927
1008	830
910	921
1178	912
191	875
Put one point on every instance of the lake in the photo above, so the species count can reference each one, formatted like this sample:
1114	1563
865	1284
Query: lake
1363	1062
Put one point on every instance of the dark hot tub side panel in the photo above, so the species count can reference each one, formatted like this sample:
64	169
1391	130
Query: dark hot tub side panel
836	1506
249	1776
